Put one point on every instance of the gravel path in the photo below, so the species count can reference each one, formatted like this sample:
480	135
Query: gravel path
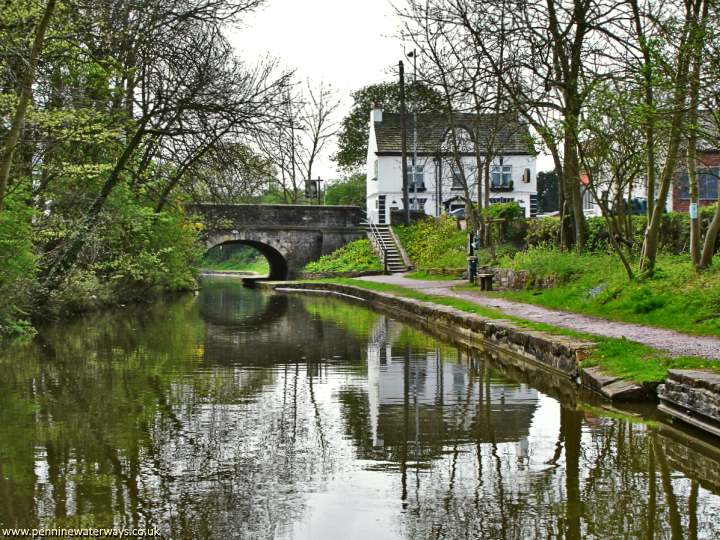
675	343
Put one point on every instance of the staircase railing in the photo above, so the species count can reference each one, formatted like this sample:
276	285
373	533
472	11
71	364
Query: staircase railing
378	242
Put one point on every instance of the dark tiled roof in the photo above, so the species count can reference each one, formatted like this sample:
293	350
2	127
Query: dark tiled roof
512	137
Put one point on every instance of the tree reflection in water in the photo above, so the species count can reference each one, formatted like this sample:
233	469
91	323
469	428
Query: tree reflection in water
238	414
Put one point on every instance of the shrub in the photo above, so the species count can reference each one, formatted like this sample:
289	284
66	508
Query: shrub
357	256
546	261
434	243
506	211
674	231
17	266
144	251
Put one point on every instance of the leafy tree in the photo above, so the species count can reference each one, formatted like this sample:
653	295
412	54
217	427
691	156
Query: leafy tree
353	137
116	112
348	191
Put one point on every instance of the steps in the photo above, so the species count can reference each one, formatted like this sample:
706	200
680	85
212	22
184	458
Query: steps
394	258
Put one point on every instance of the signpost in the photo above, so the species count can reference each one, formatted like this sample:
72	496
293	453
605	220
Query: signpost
313	190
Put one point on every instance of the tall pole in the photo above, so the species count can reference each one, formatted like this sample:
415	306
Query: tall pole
414	104
403	147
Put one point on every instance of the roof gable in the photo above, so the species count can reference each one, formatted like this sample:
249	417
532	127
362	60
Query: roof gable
511	136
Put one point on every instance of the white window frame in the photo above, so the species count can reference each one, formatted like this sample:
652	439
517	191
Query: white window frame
414	176
503	173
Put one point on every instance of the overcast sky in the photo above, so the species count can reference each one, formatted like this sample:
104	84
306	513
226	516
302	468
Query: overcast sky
345	43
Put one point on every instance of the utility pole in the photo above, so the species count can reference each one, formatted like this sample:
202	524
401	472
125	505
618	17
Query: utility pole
403	147
413	55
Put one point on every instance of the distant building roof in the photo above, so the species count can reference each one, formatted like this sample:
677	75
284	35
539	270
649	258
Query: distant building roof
512	136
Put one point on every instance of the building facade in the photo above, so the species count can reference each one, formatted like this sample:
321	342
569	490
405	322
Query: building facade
436	183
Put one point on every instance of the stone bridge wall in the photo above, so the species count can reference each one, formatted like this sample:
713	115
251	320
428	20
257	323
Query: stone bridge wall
285	216
289	236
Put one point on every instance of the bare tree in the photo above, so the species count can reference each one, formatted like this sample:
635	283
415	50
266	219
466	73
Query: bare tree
709	121
306	123
547	56
188	94
675	26
479	118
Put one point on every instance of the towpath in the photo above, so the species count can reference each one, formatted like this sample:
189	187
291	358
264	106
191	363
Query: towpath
675	343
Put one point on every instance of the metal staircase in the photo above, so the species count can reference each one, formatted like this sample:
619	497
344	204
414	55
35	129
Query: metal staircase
385	246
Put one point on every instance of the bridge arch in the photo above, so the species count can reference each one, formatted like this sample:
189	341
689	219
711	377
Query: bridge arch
277	261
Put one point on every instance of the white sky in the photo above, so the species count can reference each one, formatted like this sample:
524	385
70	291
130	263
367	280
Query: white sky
347	44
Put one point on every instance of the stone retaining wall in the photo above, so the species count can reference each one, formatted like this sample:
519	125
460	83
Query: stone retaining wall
322	275
507	279
558	354
503	278
693	396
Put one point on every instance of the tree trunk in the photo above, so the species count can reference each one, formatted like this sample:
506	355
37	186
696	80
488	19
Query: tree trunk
711	239
11	141
697	49
650	246
571	178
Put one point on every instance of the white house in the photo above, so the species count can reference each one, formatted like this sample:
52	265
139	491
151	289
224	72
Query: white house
435	184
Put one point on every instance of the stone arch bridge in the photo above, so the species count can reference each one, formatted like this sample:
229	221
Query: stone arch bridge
289	236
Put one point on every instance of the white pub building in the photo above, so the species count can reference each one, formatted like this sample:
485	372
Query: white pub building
435	184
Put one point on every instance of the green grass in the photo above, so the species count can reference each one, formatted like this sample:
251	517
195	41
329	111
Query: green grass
259	266
357	256
676	297
640	363
618	357
235	258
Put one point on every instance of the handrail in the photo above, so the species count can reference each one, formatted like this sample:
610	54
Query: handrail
378	241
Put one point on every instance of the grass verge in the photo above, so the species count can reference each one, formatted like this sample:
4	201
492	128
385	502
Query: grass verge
243	259
675	297
618	357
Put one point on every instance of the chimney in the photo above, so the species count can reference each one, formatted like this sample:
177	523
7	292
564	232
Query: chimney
376	112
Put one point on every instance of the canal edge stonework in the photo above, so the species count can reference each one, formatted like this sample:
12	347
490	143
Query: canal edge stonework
556	354
527	348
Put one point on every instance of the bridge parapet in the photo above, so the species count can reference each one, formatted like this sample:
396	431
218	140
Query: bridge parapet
272	216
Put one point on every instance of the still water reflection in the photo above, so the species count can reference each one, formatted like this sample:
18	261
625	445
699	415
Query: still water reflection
240	414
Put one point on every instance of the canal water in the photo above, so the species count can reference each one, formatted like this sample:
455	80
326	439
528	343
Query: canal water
242	414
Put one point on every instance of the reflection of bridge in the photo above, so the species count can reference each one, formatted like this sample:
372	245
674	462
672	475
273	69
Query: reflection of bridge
289	236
